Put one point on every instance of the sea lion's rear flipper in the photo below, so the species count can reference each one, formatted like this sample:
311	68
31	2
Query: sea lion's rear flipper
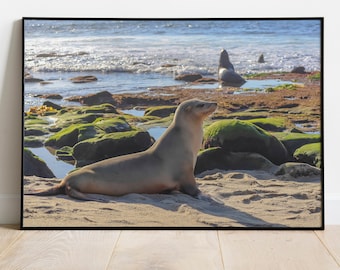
191	190
83	196
46	192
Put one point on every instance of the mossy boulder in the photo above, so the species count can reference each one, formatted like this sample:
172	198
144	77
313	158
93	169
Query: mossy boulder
270	124
217	158
35	121
160	111
65	153
102	108
33	165
35	132
109	125
71	135
242	136
84	114
111	145
33	141
293	140
309	153
69	118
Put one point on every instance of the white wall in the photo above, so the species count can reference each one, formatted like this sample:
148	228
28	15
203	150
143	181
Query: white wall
10	71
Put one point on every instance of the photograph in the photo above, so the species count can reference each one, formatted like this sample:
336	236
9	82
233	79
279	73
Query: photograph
172	123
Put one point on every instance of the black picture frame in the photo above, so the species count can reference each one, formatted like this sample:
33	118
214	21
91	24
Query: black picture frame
84	80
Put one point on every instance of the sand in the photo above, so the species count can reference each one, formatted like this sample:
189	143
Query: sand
252	199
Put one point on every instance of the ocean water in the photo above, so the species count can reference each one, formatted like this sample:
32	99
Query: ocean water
133	55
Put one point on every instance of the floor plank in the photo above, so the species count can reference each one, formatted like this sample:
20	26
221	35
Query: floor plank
167	250
331	239
61	250
274	250
8	236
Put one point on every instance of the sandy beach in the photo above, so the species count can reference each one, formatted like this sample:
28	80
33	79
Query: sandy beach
243	199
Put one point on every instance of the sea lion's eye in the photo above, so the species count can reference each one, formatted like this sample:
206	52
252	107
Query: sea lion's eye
200	105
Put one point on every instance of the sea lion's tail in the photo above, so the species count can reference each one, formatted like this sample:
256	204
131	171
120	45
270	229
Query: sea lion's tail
59	189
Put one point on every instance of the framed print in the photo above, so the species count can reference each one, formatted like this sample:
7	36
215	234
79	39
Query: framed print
172	123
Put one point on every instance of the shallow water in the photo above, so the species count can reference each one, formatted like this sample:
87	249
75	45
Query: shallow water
156	132
58	167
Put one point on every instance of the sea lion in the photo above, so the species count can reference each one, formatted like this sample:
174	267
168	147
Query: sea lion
167	165
261	59
226	71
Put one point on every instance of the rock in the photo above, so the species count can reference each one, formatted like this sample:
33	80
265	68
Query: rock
241	136
299	70
188	77
111	145
32	165
34	132
71	135
33	141
288	106
131	101
52	105
217	158
160	111
295	130
75	133
97	98
32	80
65	153
206	80
295	169
168	65
110	125
83	79
50	96
261	59
310	154
270	124
293	141
52	54
102	108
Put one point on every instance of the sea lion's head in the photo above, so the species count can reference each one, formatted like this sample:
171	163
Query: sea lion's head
224	59
195	110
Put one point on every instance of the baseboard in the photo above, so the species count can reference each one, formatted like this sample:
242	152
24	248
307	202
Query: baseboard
10	209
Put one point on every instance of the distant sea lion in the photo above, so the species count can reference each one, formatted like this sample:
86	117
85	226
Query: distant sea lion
261	59
226	71
167	165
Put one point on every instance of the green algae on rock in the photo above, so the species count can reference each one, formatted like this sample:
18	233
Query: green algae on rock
242	136
270	124
111	145
309	153
160	111
293	141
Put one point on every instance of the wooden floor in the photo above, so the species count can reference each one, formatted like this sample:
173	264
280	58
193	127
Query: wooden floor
207	250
